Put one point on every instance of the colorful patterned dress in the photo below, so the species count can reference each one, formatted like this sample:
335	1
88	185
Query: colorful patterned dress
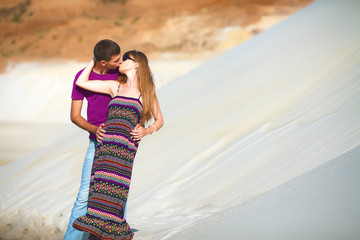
111	173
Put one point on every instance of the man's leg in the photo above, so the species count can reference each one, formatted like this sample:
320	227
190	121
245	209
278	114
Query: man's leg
81	203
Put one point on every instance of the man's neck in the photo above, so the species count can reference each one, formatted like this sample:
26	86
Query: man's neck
98	68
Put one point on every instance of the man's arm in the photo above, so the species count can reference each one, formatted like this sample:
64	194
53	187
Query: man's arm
77	119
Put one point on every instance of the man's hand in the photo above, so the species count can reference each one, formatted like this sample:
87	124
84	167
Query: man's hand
100	132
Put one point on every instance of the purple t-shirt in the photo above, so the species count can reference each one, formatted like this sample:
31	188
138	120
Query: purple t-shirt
97	102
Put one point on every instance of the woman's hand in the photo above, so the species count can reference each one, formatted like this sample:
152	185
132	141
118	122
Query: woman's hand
139	132
108	87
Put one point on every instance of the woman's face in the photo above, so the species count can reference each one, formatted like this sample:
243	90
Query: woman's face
127	64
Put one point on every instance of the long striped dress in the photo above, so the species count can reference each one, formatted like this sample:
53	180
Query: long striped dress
111	173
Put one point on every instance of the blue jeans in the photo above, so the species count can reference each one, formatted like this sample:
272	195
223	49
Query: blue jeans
81	203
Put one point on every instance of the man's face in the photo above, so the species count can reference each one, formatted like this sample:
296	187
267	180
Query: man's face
114	62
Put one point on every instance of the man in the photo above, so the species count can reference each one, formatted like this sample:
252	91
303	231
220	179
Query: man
108	59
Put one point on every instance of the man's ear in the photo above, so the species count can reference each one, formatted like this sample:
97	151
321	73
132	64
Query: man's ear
102	62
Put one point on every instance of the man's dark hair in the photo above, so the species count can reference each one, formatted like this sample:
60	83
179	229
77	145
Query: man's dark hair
105	49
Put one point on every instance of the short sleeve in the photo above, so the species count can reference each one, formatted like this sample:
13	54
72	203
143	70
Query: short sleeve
77	92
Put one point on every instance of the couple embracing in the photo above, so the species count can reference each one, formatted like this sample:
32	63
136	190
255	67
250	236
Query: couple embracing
121	102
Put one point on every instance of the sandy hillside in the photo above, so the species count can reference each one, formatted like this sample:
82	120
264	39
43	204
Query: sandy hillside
243	154
43	29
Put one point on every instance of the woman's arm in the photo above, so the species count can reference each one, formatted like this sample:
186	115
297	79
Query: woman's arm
139	132
99	86
159	120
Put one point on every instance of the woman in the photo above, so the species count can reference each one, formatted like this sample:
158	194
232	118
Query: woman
133	104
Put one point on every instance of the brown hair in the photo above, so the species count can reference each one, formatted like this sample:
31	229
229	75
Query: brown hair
145	83
105	49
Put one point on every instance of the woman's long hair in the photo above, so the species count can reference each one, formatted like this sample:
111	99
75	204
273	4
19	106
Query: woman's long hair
145	83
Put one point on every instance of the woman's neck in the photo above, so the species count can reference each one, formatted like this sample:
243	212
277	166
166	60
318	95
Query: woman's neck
131	79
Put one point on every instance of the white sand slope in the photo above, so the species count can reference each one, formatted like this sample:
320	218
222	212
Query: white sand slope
256	117
320	204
